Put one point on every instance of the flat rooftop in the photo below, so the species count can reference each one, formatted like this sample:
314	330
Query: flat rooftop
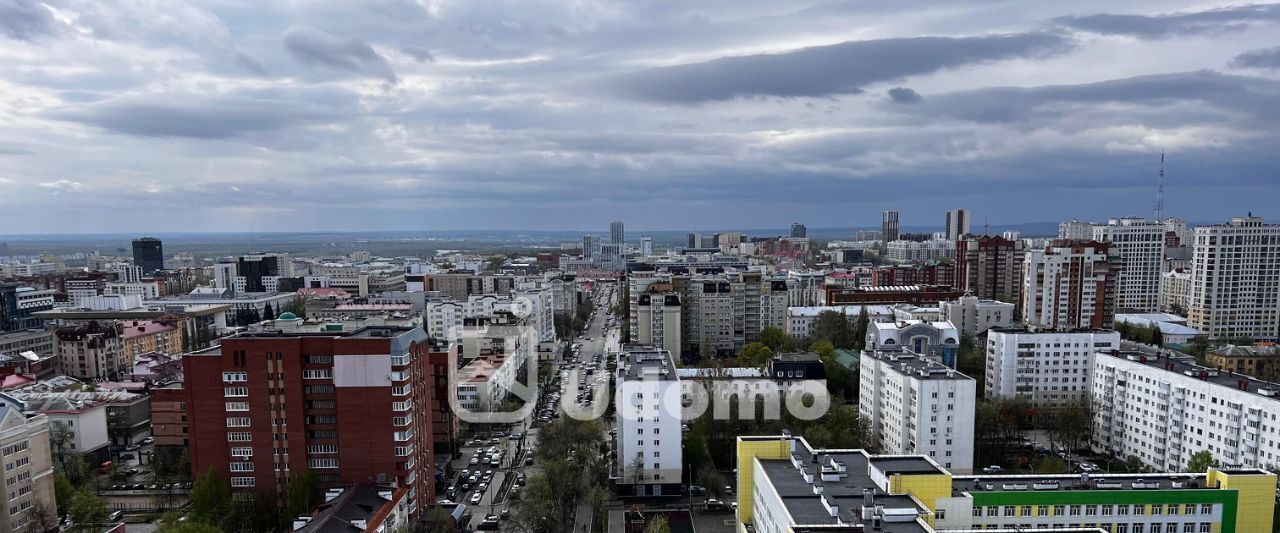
847	492
918	366
1046	483
641	361
1186	368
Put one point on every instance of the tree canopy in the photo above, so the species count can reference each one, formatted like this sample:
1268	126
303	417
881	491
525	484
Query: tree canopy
755	355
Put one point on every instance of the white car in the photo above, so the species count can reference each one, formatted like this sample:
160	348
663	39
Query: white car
475	498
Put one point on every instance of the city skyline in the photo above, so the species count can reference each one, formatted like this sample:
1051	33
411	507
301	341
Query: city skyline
231	117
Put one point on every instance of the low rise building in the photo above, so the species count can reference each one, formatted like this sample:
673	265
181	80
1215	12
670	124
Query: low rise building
92	351
922	295
787	485
938	341
800	320
973	316
1262	362
151	336
363	507
1173	328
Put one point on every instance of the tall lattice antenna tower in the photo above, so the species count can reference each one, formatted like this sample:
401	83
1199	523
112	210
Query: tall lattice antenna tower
1160	191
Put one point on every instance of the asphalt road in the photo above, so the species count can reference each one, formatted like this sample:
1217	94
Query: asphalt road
495	498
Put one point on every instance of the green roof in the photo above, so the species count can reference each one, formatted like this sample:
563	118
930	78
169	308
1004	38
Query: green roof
847	358
287	316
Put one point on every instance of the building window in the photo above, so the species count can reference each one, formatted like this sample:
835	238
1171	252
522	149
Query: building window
232	377
317	374
242	452
235	392
237	406
239	436
241	482
322	463
237	421
242	467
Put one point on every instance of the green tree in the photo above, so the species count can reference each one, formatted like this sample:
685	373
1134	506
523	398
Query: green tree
1157	336
210	498
776	339
88	513
835	327
860	329
1201	461
63	490
438	520
658	524
755	355
303	492
825	350
186	526
268	312
1072	426
299	306
972	361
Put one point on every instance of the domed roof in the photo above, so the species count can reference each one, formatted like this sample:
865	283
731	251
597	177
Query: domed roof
287	315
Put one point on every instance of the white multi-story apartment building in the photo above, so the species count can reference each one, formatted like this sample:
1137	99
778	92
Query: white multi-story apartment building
1069	285
27	482
1163	410
804	288
973	316
912	251
1048	368
1140	245
918	406
648	402
1175	291
1076	230
1235	280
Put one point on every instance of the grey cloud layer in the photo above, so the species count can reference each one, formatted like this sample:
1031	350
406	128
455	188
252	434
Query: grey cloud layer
547	113
843	68
1266	59
1168	25
350	54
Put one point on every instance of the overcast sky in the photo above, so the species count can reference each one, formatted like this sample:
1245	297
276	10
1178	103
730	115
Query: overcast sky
167	115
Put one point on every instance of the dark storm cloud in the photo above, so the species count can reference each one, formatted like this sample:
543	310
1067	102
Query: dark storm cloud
830	70
315	47
1251	97
194	116
25	19
1268	58
905	95
1168	25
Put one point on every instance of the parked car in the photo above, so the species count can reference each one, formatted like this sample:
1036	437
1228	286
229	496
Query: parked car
993	469
475	498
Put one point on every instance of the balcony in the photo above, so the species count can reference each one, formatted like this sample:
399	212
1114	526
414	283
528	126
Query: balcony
400	375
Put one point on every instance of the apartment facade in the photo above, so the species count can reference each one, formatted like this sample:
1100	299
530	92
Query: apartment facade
649	460
1175	291
657	321
1140	246
1050	369
92	351
27	480
1163	410
1070	285
990	267
263	407
1235	280
917	405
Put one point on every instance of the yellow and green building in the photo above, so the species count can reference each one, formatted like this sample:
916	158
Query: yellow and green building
786	486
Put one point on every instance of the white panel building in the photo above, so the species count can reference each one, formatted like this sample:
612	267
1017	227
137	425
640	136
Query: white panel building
918	406
1048	368
648	401
1163	410
1140	244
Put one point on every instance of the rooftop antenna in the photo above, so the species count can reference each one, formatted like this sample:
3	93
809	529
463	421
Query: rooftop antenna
986	226
1160	191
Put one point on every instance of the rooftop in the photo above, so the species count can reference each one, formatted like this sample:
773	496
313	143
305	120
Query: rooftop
642	361
1232	350
1041	483
1188	369
348	511
918	366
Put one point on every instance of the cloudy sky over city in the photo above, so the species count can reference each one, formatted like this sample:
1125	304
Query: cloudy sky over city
452	114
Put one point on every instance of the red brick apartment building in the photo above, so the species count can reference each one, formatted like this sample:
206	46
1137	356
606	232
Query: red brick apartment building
356	407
